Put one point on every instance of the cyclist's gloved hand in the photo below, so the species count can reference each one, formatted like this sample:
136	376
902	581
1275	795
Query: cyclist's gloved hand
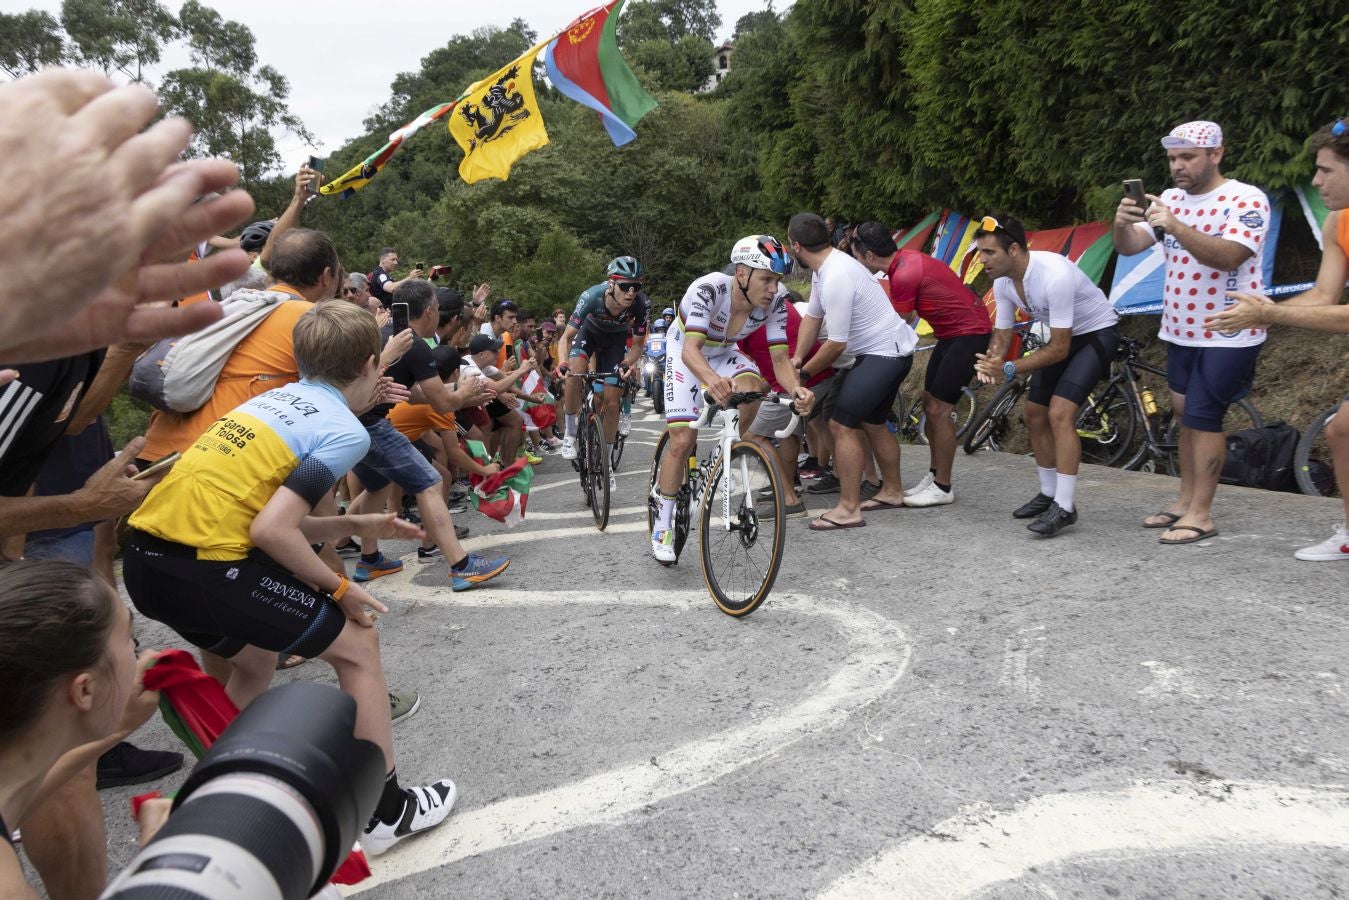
561	370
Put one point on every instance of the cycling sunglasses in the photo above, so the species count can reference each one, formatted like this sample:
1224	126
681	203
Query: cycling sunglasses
1339	128
628	285
989	224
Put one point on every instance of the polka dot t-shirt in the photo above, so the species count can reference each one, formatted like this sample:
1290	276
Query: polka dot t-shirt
1235	212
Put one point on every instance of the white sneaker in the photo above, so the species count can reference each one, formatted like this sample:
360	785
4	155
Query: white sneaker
624	423
920	486
929	496
569	448
1334	547
425	808
662	546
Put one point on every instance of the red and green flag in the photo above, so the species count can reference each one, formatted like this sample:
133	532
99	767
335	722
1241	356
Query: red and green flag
502	496
583	63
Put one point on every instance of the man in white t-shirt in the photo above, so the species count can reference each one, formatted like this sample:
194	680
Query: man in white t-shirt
862	323
1212	230
1083	339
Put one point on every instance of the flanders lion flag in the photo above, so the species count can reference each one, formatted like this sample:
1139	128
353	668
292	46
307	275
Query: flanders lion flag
498	121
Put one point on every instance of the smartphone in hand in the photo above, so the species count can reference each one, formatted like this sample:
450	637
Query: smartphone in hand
1133	189
400	317
159	465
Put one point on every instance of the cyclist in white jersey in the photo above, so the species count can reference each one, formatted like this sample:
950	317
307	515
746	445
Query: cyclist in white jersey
718	310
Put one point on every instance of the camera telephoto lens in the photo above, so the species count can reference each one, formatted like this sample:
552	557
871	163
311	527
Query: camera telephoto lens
271	810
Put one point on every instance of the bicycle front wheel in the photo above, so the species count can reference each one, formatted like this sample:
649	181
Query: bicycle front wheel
743	528
1312	458
1106	426
616	451
598	458
990	425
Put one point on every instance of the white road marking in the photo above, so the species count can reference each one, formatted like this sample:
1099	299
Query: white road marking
582	513
878	656
980	847
503	538
575	482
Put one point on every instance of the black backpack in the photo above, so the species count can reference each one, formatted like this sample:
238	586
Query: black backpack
1262	457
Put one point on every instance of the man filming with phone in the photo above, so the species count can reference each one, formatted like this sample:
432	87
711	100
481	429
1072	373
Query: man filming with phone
382	284
1212	231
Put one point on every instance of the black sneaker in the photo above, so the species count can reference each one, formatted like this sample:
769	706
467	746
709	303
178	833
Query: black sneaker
1053	520
869	489
1032	508
825	484
125	764
429	554
461	531
348	549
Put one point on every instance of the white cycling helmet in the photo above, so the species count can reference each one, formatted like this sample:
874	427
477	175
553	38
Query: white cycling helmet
762	251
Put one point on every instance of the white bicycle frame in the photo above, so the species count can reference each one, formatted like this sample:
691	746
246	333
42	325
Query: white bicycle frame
728	435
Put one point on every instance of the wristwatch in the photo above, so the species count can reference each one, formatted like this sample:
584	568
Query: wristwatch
1009	369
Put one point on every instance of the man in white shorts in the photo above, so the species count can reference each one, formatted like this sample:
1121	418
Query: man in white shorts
717	310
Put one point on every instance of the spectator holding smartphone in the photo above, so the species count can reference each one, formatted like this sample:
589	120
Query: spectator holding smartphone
1213	236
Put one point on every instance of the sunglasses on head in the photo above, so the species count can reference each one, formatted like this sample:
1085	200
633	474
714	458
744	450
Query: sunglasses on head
1339	128
629	285
989	225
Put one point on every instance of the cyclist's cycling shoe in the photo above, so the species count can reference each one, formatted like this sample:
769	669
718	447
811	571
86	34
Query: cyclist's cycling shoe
1032	508
569	448
425	808
1053	520
662	546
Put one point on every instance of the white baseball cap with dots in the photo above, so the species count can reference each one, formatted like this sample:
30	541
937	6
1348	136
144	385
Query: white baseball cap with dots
1203	135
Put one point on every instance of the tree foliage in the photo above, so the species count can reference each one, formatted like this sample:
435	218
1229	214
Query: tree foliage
236	104
125	36
29	41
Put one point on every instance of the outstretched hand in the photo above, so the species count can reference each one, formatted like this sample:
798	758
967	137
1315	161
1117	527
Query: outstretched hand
91	185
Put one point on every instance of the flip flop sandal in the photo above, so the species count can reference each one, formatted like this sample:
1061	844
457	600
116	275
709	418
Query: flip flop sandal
289	661
880	505
831	525
1171	519
1199	535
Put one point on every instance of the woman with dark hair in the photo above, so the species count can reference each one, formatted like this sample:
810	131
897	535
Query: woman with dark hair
73	687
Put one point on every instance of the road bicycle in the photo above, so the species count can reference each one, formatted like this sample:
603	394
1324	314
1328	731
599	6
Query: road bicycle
742	521
1129	423
592	462
627	398
909	422
1312	458
991	426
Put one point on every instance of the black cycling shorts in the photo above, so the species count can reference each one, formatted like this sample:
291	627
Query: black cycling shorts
1088	361
225	606
951	366
607	355
867	390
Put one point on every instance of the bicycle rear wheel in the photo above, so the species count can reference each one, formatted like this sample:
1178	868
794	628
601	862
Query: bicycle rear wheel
598	459
962	415
990	425
681	510
1240	415
1312	458
582	461
742	549
1106	426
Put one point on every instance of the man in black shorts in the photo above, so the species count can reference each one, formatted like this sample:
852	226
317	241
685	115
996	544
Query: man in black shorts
1083	339
924	287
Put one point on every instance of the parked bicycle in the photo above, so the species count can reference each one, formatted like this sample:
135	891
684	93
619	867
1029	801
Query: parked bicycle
1130	419
1312	459
742	524
991	426
591	462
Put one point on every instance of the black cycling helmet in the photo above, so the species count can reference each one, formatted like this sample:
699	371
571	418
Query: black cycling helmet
625	268
254	237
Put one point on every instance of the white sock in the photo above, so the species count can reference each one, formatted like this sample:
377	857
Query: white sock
665	515
1048	478
1064	490
571	424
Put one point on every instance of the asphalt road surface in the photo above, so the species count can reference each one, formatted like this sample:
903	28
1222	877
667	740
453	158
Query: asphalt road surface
938	705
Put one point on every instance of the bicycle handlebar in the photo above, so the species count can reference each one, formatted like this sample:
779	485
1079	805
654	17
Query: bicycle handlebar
711	407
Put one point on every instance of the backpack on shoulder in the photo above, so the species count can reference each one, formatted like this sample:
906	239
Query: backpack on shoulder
1262	457
179	374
